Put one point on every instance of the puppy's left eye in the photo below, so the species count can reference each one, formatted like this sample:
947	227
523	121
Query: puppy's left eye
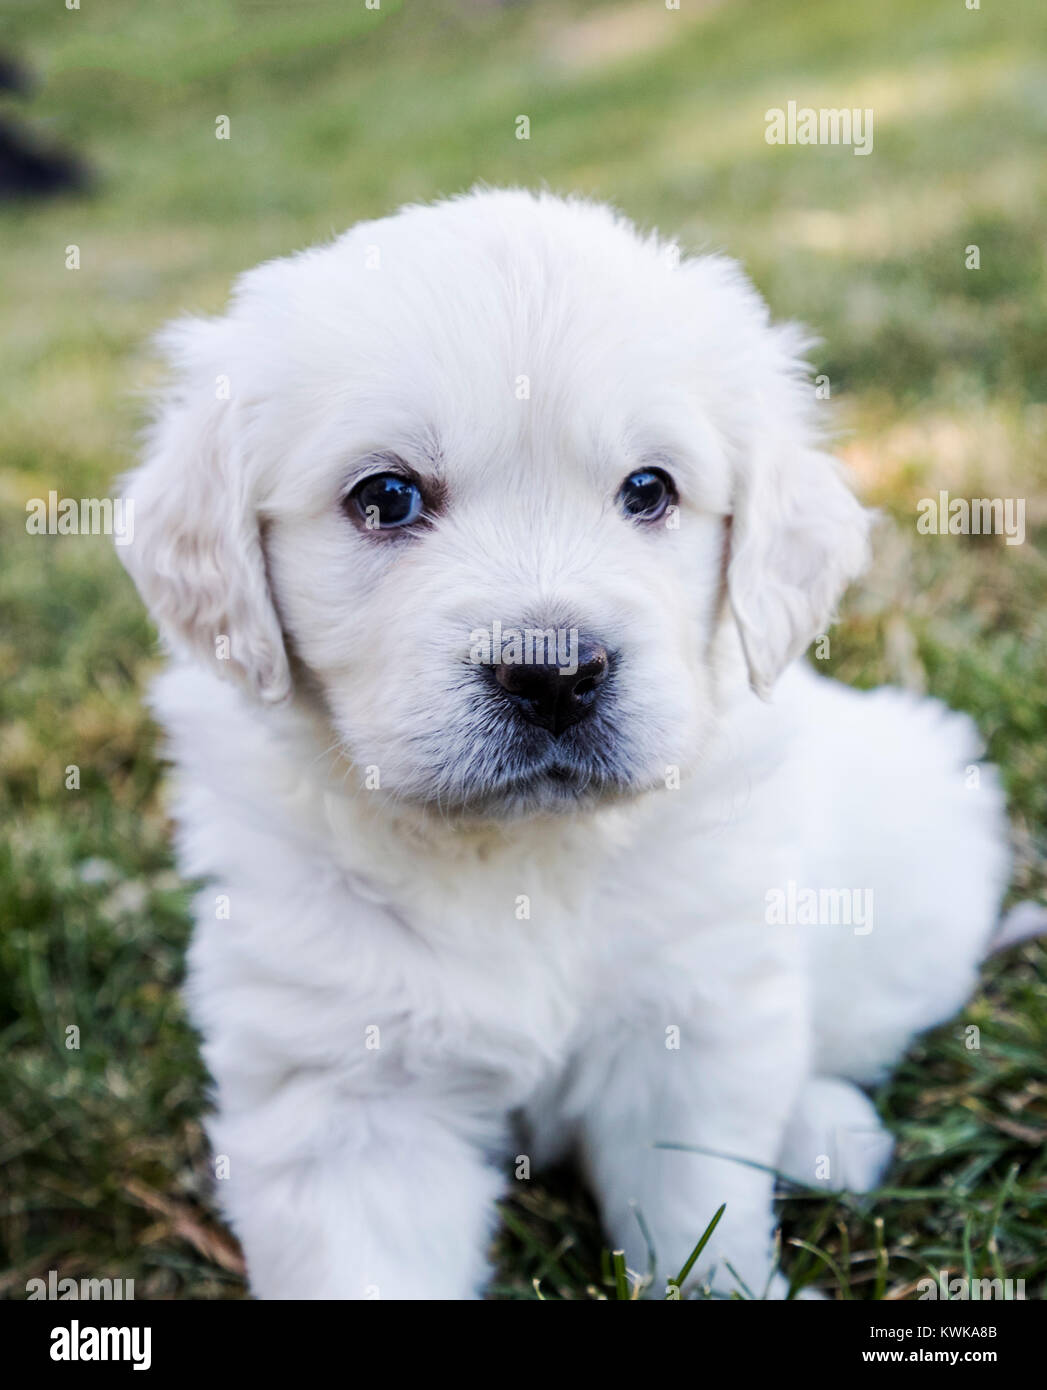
385	501
646	493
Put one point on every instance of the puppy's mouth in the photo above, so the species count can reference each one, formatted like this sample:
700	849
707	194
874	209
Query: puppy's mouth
558	782
534	785
559	773
551	792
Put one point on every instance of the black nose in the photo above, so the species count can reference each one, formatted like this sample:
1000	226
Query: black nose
554	696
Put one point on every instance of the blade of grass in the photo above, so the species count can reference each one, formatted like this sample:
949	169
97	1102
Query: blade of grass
678	1282
882	1260
827	1259
621	1279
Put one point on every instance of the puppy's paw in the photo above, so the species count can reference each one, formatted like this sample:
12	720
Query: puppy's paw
835	1139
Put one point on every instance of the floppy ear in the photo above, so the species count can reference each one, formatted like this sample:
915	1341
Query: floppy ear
798	537
196	554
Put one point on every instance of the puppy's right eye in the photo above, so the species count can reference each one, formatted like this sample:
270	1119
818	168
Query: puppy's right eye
646	494
385	501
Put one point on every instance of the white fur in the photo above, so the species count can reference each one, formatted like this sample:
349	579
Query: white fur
525	953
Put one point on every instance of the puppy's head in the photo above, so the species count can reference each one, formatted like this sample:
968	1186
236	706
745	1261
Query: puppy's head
494	475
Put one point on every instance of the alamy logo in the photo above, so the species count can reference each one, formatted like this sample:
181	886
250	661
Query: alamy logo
975	516
978	1290
528	646
793	906
85	516
828	125
55	1288
79	1343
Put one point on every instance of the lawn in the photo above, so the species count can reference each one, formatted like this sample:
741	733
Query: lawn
938	377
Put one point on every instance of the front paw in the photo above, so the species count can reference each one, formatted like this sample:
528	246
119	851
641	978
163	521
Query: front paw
835	1139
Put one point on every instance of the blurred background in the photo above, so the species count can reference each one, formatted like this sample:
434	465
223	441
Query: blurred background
938	378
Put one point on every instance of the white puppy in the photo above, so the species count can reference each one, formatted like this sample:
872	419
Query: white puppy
504	524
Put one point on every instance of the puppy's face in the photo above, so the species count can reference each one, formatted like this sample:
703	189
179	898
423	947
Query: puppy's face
489	476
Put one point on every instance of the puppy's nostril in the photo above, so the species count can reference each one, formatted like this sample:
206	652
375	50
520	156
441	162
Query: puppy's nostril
551	696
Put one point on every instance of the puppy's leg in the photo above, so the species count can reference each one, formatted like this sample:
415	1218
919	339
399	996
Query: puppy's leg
916	824
384	1201
729	1088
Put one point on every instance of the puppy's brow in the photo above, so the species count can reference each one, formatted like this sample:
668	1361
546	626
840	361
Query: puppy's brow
391	461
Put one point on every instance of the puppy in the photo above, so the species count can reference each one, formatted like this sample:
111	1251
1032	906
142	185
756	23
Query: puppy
485	539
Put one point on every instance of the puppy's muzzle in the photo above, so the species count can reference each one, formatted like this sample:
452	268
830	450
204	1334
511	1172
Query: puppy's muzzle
555	696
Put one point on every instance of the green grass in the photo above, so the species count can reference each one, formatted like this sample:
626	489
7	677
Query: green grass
939	376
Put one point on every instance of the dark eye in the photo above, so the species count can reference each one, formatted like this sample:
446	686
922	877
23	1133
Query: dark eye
385	501
646	493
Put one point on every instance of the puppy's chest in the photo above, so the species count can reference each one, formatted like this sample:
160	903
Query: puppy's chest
498	990
472	975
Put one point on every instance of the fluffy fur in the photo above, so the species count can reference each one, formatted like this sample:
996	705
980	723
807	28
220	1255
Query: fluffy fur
515	944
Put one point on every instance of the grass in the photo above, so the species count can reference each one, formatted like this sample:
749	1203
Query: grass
939	378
